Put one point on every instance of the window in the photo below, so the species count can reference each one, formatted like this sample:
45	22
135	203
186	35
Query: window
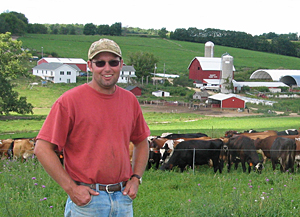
68	73
62	72
68	81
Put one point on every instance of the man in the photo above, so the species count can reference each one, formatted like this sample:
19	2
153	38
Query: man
93	124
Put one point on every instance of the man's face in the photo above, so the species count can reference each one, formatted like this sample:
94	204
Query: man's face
105	76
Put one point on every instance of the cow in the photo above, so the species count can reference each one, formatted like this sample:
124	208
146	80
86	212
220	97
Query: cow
283	152
265	145
253	136
288	132
154	158
187	135
242	149
198	152
4	146
23	148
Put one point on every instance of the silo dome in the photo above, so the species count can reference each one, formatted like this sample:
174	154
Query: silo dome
209	49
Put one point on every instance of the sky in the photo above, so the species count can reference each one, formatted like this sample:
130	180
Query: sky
251	16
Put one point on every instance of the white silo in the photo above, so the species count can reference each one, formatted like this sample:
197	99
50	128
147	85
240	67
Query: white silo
209	49
227	73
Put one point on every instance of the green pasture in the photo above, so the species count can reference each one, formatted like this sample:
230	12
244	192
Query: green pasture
26	190
176	55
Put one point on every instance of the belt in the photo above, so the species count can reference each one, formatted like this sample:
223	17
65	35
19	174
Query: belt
111	188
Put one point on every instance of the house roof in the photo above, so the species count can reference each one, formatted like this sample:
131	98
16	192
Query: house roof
210	63
273	74
65	60
128	69
53	66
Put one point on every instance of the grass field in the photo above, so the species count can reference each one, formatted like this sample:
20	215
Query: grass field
176	55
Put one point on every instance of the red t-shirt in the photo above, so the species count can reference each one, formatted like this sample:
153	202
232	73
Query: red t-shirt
94	130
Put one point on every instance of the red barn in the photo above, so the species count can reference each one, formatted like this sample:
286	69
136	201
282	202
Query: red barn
202	68
135	90
80	63
226	101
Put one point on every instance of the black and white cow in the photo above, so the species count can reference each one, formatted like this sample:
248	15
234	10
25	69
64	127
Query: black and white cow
198	152
242	149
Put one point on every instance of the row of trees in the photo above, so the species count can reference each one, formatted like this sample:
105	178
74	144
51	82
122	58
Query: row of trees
280	44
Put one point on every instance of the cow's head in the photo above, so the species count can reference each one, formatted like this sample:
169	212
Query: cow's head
258	167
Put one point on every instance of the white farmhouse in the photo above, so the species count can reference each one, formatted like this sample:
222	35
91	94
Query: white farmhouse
56	72
127	72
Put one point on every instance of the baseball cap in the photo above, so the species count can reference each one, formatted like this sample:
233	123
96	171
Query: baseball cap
104	45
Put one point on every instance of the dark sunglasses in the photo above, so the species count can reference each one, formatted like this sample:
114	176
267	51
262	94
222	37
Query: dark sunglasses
112	63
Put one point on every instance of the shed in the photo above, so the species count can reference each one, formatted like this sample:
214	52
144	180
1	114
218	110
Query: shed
202	96
135	90
80	63
160	93
221	100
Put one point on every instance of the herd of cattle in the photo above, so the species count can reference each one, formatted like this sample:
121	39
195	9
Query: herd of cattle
182	150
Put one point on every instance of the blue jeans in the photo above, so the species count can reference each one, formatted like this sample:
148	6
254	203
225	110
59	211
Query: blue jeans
105	204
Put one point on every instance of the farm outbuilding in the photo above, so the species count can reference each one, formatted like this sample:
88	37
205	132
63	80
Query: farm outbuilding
273	74
80	63
135	90
272	85
160	93
291	80
221	100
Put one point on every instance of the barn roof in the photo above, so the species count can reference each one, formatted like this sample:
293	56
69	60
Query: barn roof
273	74
209	63
128	69
222	96
64	60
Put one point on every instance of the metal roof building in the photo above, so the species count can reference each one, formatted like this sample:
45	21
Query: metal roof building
291	80
273	74
226	101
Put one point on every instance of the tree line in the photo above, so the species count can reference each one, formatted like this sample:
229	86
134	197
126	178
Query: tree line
17	24
267	42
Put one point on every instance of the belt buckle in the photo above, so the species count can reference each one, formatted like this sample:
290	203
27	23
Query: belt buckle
106	188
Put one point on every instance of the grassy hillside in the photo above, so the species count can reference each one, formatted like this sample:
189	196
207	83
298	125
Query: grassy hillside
177	55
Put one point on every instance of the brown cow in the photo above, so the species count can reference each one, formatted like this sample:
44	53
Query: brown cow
259	135
23	148
4	146
265	145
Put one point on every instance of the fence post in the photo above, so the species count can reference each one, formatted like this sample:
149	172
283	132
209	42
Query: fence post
194	161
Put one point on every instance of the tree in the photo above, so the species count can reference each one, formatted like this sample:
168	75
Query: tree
115	29
143	63
16	23
11	58
162	33
89	29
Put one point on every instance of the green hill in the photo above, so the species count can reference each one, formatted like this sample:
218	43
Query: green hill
176	55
